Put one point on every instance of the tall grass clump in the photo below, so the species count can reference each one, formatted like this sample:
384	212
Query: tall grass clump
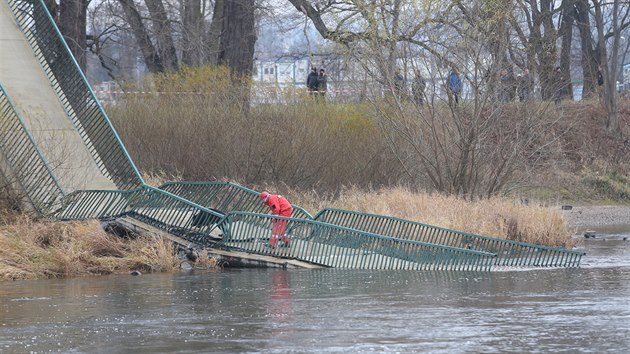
35	249
613	186
494	217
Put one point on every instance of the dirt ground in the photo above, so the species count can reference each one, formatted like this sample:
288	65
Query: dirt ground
581	216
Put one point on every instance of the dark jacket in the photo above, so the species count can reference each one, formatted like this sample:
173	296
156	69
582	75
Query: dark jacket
312	81
322	83
419	85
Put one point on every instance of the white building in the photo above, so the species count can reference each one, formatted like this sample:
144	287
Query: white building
281	72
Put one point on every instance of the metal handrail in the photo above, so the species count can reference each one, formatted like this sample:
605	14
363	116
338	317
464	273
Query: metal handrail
96	204
509	252
25	160
174	214
342	247
225	197
74	92
318	241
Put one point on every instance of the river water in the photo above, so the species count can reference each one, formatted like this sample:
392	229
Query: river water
330	311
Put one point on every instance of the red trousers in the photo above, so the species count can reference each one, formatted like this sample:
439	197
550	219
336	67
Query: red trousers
279	227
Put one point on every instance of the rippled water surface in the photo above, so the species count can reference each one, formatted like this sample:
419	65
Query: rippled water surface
331	311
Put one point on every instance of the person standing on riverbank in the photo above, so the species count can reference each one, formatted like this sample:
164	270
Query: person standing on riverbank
312	82
280	206
322	85
417	88
454	86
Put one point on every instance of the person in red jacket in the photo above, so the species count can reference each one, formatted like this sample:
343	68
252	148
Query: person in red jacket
280	206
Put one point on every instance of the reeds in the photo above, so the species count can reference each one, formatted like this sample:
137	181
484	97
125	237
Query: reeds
33	249
495	217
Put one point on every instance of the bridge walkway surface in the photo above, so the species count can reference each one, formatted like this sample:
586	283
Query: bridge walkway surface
64	157
35	100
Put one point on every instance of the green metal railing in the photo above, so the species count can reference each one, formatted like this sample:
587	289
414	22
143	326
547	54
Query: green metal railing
225	197
509	253
96	204
335	238
173	214
155	207
340	247
26	162
74	92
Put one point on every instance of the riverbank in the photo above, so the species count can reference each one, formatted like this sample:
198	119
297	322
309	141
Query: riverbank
39	249
35	249
607	215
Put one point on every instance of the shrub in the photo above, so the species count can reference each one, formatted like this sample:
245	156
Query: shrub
206	133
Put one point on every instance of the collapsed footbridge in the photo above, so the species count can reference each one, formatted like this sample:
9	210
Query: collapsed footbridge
63	160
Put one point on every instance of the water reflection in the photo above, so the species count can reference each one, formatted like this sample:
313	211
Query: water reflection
280	306
232	311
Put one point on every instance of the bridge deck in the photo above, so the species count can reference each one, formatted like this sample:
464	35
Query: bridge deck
225	258
37	103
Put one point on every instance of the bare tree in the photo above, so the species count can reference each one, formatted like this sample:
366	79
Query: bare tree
590	53
163	34
534	27
192	36
152	58
238	37
215	33
608	65
565	32
72	23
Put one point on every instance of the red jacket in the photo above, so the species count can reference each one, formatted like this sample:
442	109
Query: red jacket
279	205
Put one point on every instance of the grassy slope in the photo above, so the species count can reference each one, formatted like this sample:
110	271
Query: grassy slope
31	249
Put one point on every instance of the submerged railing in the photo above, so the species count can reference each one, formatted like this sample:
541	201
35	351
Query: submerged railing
509	253
341	247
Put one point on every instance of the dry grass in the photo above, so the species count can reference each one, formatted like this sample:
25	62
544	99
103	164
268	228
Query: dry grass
157	178
206	262
496	217
31	249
